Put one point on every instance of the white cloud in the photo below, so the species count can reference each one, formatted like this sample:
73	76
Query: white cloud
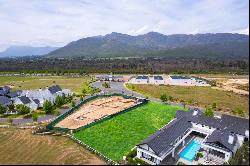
57	22
244	31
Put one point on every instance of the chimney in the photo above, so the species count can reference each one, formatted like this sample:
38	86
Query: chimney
231	139
195	112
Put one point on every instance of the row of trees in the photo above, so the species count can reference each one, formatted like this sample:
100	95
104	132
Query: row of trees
48	107
128	66
20	108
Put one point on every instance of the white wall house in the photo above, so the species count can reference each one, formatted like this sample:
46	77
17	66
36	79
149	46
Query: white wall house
219	138
38	97
142	79
26	101
158	80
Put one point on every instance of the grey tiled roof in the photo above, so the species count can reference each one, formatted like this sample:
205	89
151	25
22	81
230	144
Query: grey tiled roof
4	100
54	89
36	101
2	93
142	77
24	99
226	122
161	140
180	77
221	137
12	94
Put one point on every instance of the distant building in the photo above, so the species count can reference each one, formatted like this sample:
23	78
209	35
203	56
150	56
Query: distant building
159	80
110	78
218	138
142	79
181	80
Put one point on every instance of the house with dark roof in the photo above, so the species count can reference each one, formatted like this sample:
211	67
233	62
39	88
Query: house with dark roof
42	95
158	80
186	80
142	79
218	138
4	90
5	101
12	95
26	101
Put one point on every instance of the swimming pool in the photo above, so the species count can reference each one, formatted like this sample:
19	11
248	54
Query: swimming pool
191	150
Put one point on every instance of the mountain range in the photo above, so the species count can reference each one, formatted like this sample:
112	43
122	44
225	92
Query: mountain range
19	51
154	44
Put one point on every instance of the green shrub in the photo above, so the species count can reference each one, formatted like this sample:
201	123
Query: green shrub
73	103
22	109
2	109
132	153
164	98
106	85
34	117
59	101
199	155
208	112
139	161
47	106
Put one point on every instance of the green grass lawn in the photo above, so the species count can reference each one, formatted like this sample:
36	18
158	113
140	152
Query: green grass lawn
36	82
198	96
115	137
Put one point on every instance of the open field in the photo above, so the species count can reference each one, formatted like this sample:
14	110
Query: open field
226	101
95	110
36	82
115	137
21	147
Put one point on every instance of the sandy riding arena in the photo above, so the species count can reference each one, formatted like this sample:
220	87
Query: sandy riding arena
94	110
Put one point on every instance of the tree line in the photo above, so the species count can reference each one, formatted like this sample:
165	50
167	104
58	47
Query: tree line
125	66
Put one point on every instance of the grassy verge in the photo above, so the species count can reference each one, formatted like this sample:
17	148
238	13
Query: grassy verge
36	82
21	147
198	96
115	137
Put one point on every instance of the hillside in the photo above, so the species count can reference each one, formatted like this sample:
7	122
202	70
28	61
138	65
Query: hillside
156	44
18	51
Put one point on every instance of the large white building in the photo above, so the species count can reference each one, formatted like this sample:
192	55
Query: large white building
218	138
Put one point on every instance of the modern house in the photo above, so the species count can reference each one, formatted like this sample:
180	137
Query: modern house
186	80
48	94
218	138
142	79
158	80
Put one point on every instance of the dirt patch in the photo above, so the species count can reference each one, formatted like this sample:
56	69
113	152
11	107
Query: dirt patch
95	110
238	86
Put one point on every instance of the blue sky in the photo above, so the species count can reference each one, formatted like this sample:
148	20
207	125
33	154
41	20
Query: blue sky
57	22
